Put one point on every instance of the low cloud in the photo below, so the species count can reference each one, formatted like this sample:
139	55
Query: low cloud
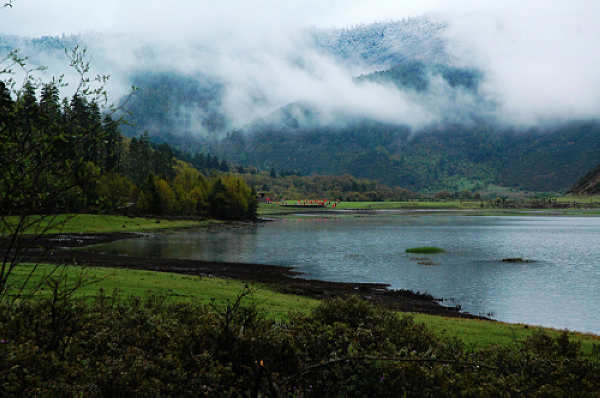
538	60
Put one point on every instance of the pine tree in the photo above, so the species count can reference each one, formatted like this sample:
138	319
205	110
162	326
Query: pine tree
113	145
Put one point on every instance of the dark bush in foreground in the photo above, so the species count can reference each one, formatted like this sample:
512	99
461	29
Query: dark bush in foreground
345	348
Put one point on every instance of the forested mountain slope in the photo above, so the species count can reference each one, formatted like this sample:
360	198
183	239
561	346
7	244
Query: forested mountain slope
447	157
463	147
589	184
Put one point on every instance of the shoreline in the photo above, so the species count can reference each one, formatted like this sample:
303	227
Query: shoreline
55	249
568	212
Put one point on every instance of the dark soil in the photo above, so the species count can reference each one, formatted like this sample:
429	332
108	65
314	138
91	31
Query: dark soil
54	249
75	240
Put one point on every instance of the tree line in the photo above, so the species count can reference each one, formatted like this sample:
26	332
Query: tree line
68	156
345	187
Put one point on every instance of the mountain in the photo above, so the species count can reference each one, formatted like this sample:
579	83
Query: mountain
452	157
589	184
462	148
175	108
38	47
383	45
417	75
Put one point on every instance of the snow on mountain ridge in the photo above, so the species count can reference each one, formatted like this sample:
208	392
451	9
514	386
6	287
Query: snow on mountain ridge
380	46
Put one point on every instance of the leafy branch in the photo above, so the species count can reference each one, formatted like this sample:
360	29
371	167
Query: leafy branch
92	88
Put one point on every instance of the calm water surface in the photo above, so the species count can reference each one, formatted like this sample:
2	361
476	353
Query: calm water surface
560	289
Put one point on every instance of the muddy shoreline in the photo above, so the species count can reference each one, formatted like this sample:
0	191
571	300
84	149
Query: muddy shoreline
56	249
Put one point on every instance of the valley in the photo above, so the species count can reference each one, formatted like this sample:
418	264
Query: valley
299	199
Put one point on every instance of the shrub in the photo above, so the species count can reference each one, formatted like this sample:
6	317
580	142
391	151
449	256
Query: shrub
114	191
346	347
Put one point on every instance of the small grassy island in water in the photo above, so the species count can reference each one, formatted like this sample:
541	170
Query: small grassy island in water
425	250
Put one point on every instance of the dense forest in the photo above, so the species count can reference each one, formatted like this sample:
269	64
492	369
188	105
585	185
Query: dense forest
449	157
416	75
288	185
67	156
468	149
175	107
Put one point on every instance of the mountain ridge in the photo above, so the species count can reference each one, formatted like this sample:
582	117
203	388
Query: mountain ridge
464	149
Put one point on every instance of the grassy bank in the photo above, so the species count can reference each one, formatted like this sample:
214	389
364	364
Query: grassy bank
101	223
176	287
479	334
192	289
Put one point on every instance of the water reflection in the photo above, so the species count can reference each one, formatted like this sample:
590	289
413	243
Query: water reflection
558	289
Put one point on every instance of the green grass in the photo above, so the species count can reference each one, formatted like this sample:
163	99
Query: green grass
470	208
100	223
579	199
425	250
412	204
184	288
177	287
478	334
273	209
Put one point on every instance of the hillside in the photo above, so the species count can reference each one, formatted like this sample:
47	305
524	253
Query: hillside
448	157
589	184
416	75
383	45
463	146
175	108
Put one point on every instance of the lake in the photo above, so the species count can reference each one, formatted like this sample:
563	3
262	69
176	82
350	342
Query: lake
560	288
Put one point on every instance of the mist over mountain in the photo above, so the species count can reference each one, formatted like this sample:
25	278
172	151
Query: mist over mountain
391	101
320	67
381	46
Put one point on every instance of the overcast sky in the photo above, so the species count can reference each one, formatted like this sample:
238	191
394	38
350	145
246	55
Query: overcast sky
540	57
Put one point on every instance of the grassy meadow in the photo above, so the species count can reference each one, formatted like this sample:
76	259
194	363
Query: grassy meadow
412	204
391	205
476	334
266	210
102	223
172	286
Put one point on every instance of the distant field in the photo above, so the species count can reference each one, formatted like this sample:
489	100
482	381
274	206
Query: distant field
184	288
451	204
472	207
99	223
266	209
